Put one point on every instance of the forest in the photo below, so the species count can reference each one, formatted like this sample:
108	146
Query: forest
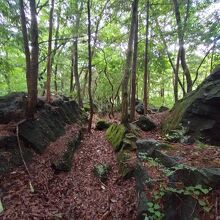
109	109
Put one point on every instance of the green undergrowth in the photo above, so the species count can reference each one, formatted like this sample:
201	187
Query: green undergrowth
155	207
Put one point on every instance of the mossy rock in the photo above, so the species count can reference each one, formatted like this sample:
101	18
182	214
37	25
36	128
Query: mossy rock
64	163
124	167
115	134
129	142
134	129
198	112
102	125
101	171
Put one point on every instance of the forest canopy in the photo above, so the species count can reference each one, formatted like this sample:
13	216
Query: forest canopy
62	27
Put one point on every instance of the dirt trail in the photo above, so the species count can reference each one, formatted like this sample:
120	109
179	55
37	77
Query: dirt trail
74	195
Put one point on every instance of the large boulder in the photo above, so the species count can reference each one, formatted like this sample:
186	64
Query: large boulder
145	123
12	107
140	108
198	112
50	124
115	135
64	161
102	125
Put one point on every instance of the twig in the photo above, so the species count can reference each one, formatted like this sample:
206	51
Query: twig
105	214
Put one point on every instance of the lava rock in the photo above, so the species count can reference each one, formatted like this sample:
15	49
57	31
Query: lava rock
178	206
12	107
49	125
166	160
64	161
146	146
198	112
141	178
145	123
208	177
102	125
140	108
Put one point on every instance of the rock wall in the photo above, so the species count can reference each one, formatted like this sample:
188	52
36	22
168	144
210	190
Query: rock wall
198	112
35	135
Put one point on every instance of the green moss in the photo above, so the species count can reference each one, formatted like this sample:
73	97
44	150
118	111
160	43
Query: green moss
125	170
174	119
115	135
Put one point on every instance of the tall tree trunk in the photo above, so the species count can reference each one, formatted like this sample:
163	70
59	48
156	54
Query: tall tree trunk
124	110
180	30
31	56
55	79
134	71
95	38
49	66
55	50
75	54
72	72
26	46
90	67
146	60
176	75
34	57
76	73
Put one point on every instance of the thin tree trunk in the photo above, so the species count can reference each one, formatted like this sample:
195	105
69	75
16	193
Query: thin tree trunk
95	38
175	72
90	67
49	58
124	111
176	75
180	30
134	71
26	45
55	79
55	50
76	73
146	60
72	72
31	56
75	49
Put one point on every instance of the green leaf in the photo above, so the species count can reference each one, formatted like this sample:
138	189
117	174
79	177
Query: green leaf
157	213
150	204
156	206
151	210
196	192
202	203
207	209
205	191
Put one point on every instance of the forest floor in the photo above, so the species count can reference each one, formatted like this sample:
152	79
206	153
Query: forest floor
78	194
